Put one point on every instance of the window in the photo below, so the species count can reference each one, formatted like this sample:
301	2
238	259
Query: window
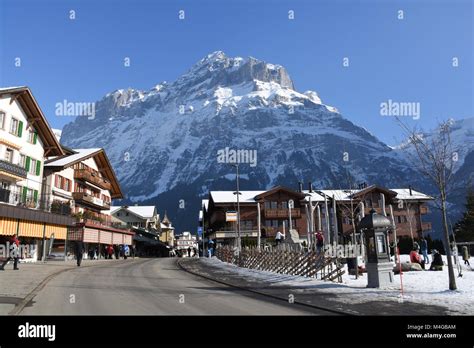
16	127
368	203
22	161
9	155
32	136
267	205
2	119
274	205
32	167
62	183
275	223
284	205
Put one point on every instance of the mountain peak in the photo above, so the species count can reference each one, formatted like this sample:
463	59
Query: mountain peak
217	69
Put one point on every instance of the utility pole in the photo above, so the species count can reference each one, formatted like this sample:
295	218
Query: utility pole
239	245
259	227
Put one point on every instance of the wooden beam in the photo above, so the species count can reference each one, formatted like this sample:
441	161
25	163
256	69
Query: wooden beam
16	96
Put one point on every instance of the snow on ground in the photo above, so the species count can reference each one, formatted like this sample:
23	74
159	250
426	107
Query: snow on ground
425	287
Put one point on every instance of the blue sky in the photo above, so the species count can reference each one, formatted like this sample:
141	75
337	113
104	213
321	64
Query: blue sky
407	60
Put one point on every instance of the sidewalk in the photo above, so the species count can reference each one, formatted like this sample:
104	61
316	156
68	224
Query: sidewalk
277	286
15	286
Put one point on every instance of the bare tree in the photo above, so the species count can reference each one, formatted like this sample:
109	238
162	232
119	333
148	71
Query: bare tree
434	157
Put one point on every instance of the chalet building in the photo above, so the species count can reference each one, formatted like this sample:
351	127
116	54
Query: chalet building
167	233
409	206
82	183
145	217
26	140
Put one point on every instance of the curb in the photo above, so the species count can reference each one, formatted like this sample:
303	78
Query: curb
335	311
22	304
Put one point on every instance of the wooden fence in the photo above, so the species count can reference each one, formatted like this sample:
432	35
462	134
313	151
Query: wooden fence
285	259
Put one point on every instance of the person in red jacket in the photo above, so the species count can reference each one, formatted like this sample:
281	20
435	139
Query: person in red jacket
415	257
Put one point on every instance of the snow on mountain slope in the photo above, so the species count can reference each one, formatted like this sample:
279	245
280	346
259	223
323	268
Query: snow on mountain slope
164	142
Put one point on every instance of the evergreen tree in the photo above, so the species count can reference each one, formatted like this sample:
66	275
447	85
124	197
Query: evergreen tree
465	227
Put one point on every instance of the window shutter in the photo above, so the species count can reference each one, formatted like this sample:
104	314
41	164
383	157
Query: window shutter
35	138
20	129
25	191
38	167
35	196
27	166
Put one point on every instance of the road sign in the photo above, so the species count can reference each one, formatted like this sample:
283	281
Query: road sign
291	204
199	231
231	216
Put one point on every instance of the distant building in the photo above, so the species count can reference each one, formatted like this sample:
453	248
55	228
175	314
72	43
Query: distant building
137	216
186	240
167	233
409	206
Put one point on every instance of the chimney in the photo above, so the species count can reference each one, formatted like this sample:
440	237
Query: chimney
310	187
409	187
300	186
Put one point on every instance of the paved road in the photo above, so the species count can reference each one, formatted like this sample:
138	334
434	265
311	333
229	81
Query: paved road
149	287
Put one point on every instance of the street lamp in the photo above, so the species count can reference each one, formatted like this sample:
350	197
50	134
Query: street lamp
239	244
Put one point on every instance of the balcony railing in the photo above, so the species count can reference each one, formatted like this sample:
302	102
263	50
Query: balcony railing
85	198
92	177
14	169
281	213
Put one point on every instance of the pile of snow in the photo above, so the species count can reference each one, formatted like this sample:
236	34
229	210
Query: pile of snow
425	287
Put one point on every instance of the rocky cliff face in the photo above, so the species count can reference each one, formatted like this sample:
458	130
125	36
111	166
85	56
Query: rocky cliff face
165	143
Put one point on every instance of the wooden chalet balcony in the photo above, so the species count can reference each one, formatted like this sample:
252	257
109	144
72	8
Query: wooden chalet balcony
425	226
93	178
85	198
281	213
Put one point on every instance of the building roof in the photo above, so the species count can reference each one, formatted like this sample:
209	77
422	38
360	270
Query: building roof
142	211
36	118
73	156
230	197
404	194
316	195
78	155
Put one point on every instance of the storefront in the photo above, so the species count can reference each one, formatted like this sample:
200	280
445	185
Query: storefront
96	238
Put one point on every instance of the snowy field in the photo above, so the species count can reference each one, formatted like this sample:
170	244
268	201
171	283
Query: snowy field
425	287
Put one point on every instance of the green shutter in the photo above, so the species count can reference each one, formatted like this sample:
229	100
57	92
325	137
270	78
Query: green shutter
20	129
38	167
25	191
35	138
35	195
27	165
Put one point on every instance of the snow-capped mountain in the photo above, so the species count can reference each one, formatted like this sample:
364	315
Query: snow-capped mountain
164	143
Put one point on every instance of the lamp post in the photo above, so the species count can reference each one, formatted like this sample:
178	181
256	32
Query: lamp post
238	208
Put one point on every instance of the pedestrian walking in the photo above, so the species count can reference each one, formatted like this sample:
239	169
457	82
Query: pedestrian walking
126	251
189	251
79	251
424	250
14	253
134	250
465	255
319	241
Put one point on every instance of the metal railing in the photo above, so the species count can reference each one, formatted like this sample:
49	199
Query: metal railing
12	168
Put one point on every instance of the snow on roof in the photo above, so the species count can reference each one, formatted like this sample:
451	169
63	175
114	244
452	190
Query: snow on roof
205	203
230	197
144	211
64	161
415	195
166	227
